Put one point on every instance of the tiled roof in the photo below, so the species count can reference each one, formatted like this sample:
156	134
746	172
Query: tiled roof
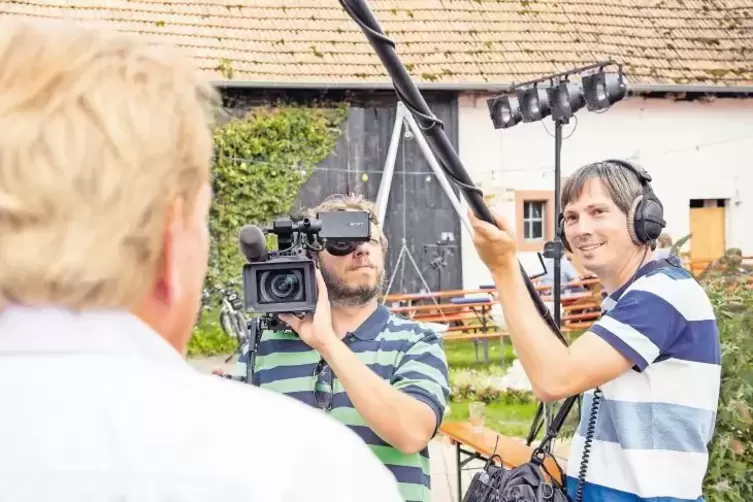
449	41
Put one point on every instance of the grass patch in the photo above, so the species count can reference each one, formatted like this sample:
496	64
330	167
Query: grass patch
461	354
507	419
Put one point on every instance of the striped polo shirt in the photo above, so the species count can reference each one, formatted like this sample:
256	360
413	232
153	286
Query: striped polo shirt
403	352
656	421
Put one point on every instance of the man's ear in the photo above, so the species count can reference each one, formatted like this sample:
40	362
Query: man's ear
170	285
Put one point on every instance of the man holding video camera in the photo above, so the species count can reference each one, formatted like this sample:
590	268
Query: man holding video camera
649	367
104	200
383	376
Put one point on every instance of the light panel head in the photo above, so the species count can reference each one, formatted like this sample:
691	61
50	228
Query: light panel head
602	90
534	104
504	111
566	98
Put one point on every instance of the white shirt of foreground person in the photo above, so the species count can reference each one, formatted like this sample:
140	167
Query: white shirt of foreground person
97	407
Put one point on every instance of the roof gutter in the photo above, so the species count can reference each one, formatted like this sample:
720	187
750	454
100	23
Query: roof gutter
465	87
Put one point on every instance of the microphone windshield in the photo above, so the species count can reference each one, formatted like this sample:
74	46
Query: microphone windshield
252	243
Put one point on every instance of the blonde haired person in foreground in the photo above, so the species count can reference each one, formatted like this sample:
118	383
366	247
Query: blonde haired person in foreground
104	196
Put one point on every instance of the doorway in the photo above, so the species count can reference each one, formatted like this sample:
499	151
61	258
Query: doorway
707	222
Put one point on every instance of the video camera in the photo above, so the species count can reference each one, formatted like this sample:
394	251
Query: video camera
284	280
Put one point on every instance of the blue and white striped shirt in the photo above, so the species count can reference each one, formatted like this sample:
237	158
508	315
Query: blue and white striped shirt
656	421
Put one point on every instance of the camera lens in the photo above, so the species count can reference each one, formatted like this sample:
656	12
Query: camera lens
281	286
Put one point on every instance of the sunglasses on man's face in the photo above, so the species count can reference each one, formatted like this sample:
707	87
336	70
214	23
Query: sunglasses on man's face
344	248
323	385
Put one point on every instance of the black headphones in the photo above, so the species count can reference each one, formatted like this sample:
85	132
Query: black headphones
646	216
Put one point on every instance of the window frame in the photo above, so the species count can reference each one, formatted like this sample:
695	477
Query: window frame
548	220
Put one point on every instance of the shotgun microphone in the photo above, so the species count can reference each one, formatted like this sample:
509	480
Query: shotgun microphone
252	243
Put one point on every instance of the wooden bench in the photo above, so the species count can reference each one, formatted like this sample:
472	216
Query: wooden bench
408	299
483	445
467	316
466	313
474	336
576	326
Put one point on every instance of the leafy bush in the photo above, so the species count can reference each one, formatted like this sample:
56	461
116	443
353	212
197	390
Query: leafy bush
261	161
485	386
208	337
730	473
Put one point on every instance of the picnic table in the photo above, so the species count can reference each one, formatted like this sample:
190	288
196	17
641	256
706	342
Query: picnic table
466	318
466	313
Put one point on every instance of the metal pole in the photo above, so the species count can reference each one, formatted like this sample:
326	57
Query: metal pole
557	297
385	185
433	129
441	177
557	210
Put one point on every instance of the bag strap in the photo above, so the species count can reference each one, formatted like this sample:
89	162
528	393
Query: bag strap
559	418
554	428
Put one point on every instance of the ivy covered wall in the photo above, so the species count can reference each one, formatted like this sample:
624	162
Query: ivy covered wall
261	160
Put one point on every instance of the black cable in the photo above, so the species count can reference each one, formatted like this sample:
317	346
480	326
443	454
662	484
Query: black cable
591	428
590	432
447	157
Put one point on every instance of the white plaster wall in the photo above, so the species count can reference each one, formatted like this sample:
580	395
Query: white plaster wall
693	150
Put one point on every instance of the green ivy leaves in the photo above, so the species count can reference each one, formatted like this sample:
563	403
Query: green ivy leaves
730	473
261	161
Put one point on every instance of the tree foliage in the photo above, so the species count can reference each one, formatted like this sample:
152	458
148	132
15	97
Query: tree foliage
730	473
261	161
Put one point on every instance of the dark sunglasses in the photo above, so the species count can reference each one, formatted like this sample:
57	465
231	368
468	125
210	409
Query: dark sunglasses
323	385
343	248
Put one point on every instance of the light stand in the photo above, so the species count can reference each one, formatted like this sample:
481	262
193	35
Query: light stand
557	248
527	102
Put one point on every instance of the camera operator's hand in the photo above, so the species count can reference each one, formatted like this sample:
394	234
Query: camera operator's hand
314	329
495	246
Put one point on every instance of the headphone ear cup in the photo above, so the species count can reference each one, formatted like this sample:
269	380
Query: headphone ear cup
635	222
652	219
647	220
561	233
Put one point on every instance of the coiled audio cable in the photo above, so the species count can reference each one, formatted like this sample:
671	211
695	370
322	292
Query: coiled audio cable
590	432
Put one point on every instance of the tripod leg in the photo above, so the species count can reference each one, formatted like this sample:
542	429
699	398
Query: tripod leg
420	276
389	164
438	172
394	273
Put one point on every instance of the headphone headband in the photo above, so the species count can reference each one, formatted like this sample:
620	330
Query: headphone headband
635	168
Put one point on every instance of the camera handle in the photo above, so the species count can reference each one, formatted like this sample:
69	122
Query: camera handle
254	334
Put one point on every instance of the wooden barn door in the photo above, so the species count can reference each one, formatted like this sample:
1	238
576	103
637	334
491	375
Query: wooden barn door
708	240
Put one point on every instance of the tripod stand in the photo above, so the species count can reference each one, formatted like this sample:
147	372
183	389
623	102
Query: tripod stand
404	251
403	115
442	249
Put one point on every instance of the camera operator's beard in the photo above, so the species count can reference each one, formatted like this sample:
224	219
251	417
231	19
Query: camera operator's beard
342	295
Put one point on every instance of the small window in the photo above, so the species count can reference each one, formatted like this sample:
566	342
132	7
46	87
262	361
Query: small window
533	220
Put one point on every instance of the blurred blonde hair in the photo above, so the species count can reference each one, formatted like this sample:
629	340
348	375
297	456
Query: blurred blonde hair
101	132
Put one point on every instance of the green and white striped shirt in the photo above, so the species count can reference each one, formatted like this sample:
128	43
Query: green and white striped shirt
406	354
